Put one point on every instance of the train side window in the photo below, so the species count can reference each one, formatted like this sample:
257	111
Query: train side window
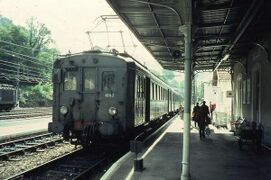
70	80
108	81
137	86
152	91
160	93
89	79
142	87
157	95
156	92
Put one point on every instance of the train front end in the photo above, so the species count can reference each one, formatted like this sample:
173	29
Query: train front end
89	98
7	97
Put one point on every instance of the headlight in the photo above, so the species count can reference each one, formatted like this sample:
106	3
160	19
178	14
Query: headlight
112	111
63	110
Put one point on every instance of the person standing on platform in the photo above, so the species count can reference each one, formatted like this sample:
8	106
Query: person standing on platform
196	114
181	110
204	115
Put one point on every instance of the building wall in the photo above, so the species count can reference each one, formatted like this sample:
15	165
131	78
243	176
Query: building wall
252	86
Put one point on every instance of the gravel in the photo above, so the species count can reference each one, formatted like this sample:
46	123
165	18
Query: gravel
23	163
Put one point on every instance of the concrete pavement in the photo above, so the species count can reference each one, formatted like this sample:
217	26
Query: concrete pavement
215	158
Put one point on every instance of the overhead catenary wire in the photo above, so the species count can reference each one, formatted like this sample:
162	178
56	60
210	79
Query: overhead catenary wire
20	72
22	79
16	67
37	64
22	75
14	44
13	53
22	66
15	78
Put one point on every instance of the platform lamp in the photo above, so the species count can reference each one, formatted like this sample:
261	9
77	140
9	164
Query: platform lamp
226	56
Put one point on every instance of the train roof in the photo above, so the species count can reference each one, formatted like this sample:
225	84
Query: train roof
113	53
124	56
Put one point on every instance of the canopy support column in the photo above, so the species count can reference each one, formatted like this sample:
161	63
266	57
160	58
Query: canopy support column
186	29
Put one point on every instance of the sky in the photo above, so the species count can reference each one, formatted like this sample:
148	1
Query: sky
69	20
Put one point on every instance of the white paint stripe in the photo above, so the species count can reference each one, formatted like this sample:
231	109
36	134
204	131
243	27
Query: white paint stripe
115	166
129	176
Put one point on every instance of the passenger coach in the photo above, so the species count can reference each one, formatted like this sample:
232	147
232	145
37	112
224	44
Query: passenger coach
101	95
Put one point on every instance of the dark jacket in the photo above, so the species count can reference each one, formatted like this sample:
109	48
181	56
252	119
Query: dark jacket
204	112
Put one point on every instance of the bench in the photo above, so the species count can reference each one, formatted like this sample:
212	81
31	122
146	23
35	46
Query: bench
250	137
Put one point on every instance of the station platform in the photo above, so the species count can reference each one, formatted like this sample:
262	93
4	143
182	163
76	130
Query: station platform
13	128
217	157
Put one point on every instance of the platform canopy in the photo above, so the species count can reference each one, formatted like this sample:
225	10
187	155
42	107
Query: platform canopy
223	30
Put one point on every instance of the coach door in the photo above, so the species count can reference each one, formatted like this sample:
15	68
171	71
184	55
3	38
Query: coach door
90	93
108	92
70	95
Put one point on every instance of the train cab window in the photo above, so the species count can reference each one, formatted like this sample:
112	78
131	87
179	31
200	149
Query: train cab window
89	79
70	81
108	81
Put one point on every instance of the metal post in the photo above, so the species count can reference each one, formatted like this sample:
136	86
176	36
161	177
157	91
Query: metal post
187	103
122	41
17	90
194	88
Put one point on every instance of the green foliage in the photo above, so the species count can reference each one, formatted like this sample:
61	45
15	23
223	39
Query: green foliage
173	79
28	47
11	33
39	36
34	96
26	57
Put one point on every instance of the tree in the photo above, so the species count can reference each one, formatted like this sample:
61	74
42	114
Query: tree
39	36
173	79
23	50
26	57
38	95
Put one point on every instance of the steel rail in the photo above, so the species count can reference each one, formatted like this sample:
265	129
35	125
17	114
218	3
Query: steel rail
21	146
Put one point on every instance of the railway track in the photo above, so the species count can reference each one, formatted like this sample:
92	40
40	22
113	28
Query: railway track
82	163
79	164
26	110
14	149
24	113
